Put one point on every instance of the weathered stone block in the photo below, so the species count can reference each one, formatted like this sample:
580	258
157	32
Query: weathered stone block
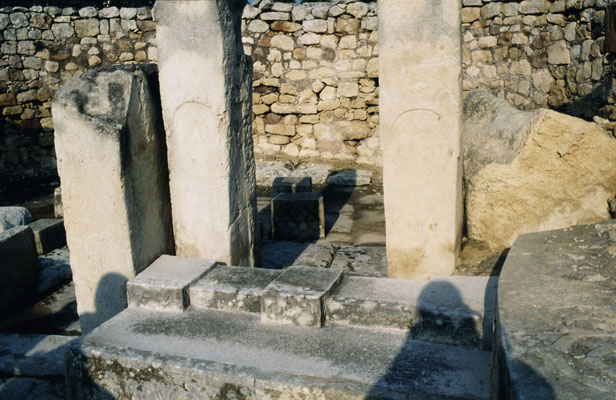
49	234
111	161
232	289
164	285
296	297
291	185
10	217
532	171
420	89
298	216
19	266
206	91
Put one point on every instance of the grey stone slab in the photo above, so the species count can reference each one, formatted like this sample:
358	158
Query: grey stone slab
298	216
11	217
361	260
338	223
19	266
267	171
318	173
351	177
216	354
32	355
291	185
232	288
556	325
49	234
282	254
165	284
452	310
296	297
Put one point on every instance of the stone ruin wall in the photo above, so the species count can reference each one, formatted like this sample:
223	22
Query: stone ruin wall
315	69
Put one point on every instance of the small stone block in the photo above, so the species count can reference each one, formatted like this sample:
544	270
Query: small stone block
298	216
49	234
57	203
164	285
296	297
232	288
291	185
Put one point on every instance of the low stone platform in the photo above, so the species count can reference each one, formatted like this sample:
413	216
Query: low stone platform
256	334
218	354
556	325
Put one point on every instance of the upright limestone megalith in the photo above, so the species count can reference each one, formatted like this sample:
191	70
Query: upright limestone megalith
420	97
111	155
206	92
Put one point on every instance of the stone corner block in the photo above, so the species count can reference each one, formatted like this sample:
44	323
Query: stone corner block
165	284
291	185
49	234
232	289
19	266
296	297
298	216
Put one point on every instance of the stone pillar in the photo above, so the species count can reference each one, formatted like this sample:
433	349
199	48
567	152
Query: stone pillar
420	99
206	91
112	163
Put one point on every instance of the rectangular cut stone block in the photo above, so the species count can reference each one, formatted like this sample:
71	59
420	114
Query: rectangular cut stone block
49	234
206	91
420	97
296	297
111	155
232	289
165	284
298	216
452	310
291	185
19	266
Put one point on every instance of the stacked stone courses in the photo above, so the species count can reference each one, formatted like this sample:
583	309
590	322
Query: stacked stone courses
315	79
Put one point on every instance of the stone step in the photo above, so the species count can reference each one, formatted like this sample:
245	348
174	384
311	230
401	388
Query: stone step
221	354
453	310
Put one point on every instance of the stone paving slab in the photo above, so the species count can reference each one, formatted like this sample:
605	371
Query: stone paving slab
452	310
556	326
296	297
165	283
216	354
32	355
361	260
232	288
281	254
55	270
32	388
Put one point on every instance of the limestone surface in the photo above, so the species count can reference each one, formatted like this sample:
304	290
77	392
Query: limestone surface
11	217
555	335
111	161
49	234
420	76
298	216
206	88
532	171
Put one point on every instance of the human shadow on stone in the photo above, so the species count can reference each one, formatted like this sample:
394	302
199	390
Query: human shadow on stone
335	197
110	299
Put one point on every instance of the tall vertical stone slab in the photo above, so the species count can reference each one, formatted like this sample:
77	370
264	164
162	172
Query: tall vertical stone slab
111	155
420	126
206	91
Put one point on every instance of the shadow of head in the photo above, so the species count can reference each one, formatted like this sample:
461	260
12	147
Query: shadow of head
110	299
444	317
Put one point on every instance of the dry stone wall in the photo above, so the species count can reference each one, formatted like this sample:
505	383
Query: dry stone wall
315	68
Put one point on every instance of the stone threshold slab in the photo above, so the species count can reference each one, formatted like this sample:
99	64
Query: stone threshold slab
215	354
454	310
